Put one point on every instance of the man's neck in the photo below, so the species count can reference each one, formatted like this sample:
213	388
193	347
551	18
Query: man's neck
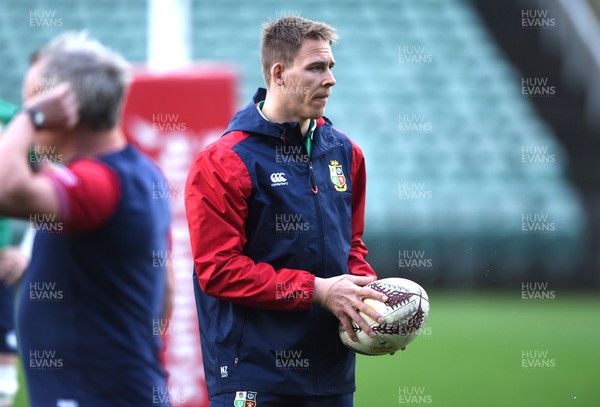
275	115
86	143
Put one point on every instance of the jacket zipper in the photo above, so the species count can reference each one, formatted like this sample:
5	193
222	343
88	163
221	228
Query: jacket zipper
315	190
311	180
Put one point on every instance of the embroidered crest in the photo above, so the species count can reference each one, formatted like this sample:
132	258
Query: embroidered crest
337	177
245	399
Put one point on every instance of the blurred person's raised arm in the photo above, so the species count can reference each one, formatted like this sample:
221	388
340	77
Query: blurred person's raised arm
23	192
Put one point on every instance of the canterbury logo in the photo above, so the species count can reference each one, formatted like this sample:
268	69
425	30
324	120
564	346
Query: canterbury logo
278	178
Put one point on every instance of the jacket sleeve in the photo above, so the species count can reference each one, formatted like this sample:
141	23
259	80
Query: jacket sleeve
216	194
357	263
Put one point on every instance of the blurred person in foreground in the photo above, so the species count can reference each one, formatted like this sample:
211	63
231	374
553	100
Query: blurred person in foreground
91	293
12	264
8	339
276	213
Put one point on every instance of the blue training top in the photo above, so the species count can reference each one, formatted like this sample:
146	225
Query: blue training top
89	300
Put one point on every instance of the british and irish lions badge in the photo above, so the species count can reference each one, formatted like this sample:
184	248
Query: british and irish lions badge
337	177
245	399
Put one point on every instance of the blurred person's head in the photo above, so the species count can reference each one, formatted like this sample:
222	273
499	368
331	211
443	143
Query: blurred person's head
296	61
98	76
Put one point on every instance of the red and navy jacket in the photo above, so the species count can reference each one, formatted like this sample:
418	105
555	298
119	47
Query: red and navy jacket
265	219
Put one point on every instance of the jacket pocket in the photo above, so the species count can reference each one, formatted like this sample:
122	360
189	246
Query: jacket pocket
240	340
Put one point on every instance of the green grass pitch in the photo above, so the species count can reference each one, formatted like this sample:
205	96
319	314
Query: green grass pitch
493	349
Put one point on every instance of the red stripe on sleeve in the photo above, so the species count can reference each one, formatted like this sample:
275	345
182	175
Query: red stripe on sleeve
357	263
89	192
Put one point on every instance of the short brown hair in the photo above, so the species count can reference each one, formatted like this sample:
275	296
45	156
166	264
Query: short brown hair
282	38
99	76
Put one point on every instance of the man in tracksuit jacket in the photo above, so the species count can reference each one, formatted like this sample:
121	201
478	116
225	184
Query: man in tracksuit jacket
276	213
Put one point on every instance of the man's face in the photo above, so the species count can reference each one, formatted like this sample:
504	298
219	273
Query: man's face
307	83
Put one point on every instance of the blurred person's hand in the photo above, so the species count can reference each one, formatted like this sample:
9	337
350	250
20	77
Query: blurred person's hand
59	106
12	265
343	296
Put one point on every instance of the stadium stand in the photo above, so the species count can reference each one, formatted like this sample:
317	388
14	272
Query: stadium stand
25	25
424	89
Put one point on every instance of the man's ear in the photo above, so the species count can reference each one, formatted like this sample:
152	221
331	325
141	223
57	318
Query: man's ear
277	74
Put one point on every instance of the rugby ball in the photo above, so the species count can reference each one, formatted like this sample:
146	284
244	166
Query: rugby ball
404	315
